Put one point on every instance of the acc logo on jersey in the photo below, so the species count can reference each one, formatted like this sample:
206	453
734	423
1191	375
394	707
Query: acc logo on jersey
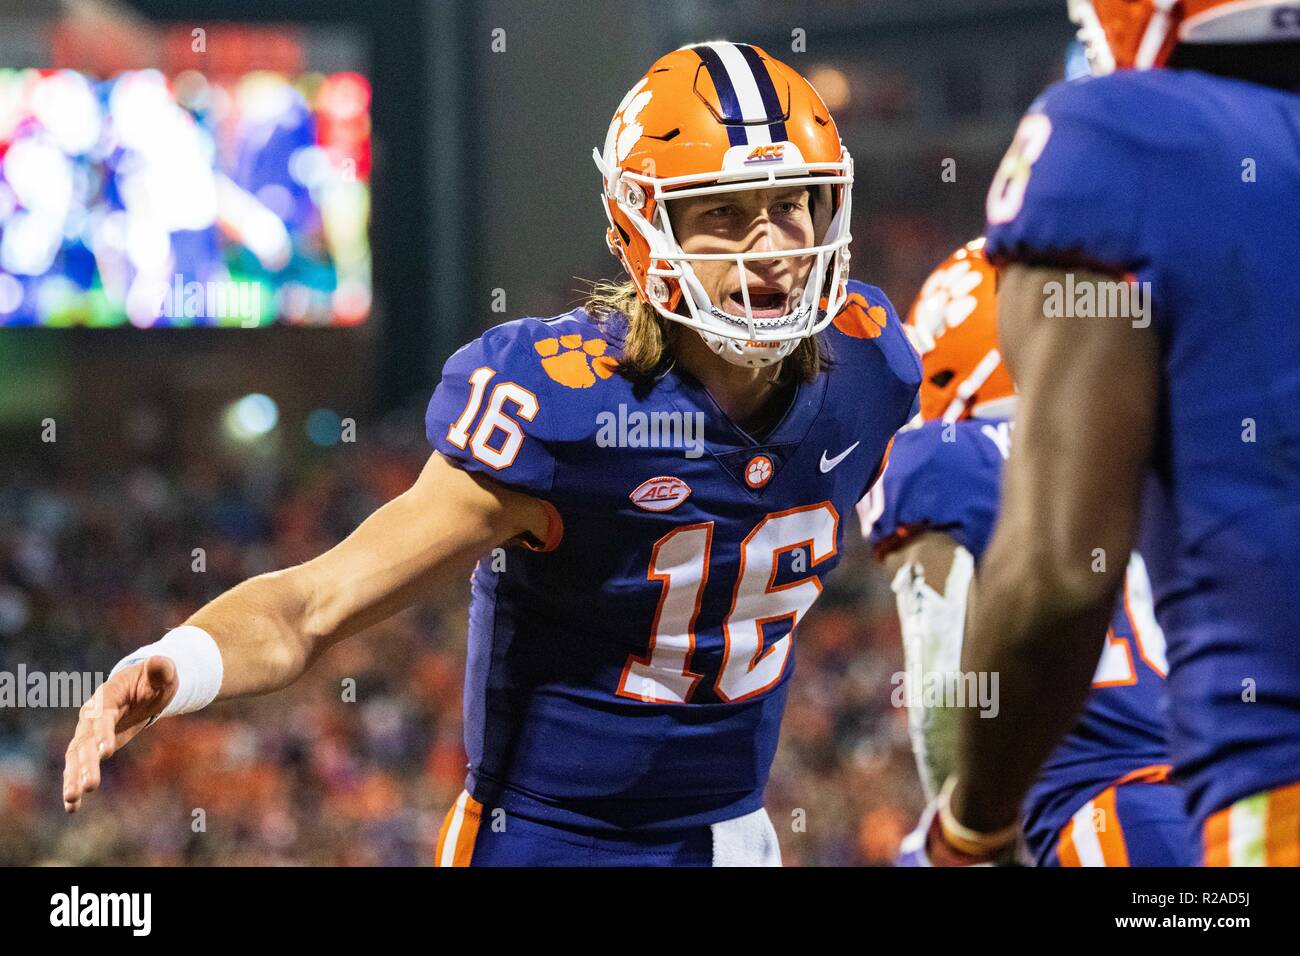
660	494
575	363
759	471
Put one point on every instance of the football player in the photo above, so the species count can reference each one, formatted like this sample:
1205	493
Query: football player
665	471
1103	796
1147	222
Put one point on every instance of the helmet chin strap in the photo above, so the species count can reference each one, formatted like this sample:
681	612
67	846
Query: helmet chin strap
745	353
748	354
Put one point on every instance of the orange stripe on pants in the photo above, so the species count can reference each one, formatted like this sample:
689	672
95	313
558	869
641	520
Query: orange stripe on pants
1065	850
1216	839
459	832
1093	837
1111	834
1282	840
1280	831
1102	841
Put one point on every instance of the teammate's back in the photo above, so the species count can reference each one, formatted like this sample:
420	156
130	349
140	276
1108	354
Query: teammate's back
1190	183
1224	188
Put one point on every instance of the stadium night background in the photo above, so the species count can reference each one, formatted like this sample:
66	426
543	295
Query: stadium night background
239	239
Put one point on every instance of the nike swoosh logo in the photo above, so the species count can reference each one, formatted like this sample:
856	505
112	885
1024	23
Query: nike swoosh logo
828	464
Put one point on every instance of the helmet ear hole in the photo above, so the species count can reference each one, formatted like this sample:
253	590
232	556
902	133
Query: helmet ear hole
941	378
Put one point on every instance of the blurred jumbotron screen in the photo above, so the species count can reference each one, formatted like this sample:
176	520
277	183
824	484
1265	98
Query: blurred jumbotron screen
146	182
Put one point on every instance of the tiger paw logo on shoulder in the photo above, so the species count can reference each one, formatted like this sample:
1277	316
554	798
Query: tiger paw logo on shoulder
575	363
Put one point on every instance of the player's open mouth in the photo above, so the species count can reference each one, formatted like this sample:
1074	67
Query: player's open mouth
765	301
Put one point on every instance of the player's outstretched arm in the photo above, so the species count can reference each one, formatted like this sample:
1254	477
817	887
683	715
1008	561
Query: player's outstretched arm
271	627
933	581
262	634
1048	581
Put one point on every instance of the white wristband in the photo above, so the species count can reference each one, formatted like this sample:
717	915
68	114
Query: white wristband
198	667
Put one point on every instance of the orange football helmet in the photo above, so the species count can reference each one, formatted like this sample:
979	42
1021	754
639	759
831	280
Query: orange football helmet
716	118
1140	34
953	324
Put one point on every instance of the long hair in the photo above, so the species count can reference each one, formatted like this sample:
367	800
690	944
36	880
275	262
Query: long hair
650	340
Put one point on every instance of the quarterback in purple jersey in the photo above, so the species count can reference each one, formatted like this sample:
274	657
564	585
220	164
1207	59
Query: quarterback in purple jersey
655	485
1146	223
1102	798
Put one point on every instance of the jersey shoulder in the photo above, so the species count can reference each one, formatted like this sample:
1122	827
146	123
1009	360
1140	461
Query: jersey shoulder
509	398
1120	105
571	351
868	329
1073	186
942	477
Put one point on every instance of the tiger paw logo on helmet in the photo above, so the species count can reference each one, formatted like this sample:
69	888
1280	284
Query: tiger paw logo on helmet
947	299
953	325
575	363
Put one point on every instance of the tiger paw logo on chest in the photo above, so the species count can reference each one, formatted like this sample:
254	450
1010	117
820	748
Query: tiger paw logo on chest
575	362
758	472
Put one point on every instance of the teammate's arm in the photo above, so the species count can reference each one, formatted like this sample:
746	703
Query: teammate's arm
270	628
932	578
1048	581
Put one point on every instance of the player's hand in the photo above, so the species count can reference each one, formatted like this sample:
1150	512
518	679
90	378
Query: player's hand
927	846
120	708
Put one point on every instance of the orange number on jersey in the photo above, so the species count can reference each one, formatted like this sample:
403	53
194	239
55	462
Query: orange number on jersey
494	420
680	562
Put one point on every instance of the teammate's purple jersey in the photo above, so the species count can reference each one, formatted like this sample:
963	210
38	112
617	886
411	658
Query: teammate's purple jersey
1191	183
947	478
635	675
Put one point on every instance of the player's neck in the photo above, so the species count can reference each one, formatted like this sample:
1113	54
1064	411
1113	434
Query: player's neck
748	396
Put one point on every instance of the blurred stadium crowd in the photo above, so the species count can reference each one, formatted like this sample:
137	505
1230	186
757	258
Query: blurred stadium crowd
94	563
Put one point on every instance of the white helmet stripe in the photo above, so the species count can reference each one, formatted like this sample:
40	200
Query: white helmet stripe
747	94
978	376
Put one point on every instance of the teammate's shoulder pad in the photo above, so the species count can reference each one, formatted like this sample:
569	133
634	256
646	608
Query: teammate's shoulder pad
1071	189
916	453
944	476
1119	107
